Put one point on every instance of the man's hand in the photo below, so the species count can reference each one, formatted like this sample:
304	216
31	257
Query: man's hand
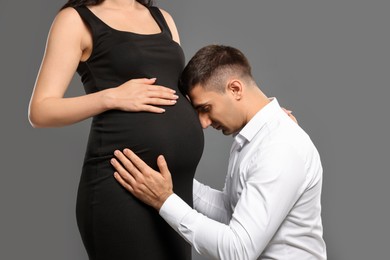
148	185
289	113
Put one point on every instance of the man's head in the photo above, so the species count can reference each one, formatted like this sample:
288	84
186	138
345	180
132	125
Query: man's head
212	65
219	82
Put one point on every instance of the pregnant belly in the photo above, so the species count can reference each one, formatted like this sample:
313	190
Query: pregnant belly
176	134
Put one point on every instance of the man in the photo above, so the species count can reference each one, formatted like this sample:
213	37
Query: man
270	207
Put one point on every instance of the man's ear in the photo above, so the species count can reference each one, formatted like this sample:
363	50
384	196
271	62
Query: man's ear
234	87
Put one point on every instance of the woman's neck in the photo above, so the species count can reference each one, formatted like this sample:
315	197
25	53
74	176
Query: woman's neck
120	4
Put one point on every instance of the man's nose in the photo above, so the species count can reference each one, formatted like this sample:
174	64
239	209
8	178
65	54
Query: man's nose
204	120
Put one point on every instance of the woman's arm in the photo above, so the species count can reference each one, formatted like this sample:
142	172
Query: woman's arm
68	42
64	50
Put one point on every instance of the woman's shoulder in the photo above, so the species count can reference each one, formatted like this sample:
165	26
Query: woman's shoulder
171	24
68	21
68	17
67	29
166	15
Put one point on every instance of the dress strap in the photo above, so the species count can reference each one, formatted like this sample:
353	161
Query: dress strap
159	17
91	20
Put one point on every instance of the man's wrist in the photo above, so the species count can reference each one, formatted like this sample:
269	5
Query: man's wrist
174	210
162	200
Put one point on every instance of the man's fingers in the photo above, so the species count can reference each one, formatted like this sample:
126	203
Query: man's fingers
129	168
288	112
125	184
137	188
163	166
122	171
293	118
141	166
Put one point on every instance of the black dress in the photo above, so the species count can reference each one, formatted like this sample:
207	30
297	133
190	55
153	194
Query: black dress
113	224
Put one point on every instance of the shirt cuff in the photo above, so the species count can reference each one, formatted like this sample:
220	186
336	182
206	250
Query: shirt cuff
196	188
174	210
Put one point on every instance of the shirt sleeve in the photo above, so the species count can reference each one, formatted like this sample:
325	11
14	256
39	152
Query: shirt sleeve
210	202
272	186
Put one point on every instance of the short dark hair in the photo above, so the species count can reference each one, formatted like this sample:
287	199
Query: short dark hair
211	64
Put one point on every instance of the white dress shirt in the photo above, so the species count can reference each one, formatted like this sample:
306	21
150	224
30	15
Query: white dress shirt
270	207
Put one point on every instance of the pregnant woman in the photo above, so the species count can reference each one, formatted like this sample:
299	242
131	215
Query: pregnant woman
129	59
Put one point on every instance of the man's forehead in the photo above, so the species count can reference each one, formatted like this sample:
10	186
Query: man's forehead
197	94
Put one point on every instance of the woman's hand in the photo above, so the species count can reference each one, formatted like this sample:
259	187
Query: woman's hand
140	95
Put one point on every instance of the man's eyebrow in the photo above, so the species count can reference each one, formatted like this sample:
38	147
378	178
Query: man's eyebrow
197	106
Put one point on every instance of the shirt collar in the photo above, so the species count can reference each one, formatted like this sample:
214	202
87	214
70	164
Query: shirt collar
257	122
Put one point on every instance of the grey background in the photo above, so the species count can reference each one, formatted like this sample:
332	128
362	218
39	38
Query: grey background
328	61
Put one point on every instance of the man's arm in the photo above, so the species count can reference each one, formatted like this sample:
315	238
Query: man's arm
210	202
206	200
272	187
